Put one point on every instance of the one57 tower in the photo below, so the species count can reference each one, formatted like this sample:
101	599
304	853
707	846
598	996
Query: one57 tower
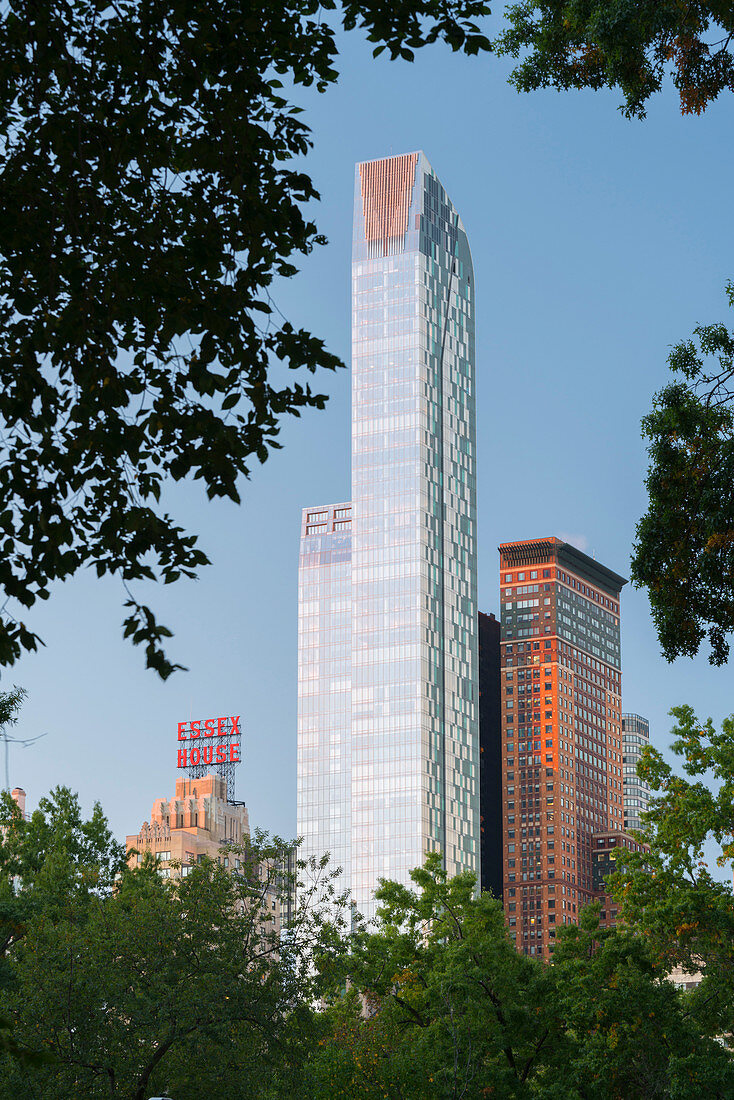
388	738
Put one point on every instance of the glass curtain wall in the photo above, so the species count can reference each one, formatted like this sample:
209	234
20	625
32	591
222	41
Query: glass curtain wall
414	666
324	673
635	737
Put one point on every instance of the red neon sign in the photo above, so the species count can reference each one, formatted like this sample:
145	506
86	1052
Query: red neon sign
198	753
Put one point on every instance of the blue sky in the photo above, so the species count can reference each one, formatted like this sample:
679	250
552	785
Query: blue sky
597	243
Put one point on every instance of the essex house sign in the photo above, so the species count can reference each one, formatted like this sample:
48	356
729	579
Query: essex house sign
209	741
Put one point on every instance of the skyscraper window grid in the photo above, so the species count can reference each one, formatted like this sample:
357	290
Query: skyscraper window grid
414	642
324	671
413	649
635	736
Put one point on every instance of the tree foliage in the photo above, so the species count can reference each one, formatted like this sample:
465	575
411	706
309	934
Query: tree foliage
52	861
188	985
684	552
631	1033
49	864
150	174
157	969
466	1011
10	703
440	1004
685	914
130	983
632	47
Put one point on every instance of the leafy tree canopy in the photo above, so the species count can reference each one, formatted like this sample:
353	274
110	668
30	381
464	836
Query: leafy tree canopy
452	1008
631	1034
149	175
51	865
685	914
184	984
54	860
188	986
684	553
630	46
440	1004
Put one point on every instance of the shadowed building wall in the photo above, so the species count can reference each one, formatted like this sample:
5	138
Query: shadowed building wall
490	747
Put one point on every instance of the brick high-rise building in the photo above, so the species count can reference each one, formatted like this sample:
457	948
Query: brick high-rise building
561	737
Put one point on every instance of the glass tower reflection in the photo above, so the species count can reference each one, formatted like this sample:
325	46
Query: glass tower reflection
324	672
412	737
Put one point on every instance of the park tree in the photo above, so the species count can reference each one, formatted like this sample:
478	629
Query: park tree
54	863
632	1033
631	48
51	865
438	1003
153	183
452	1008
684	553
668	894
362	1054
184	983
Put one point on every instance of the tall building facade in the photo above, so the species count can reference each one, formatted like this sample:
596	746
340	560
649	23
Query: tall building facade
635	736
324	683
411	784
561	732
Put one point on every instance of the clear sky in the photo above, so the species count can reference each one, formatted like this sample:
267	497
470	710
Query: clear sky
597	243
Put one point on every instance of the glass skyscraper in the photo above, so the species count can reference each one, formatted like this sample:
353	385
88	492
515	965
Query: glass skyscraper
388	740
635	737
324	679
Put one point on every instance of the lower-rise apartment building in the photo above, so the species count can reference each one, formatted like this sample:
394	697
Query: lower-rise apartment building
606	857
198	823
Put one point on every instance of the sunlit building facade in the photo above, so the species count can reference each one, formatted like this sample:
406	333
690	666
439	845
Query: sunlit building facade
197	822
561	732
412	739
